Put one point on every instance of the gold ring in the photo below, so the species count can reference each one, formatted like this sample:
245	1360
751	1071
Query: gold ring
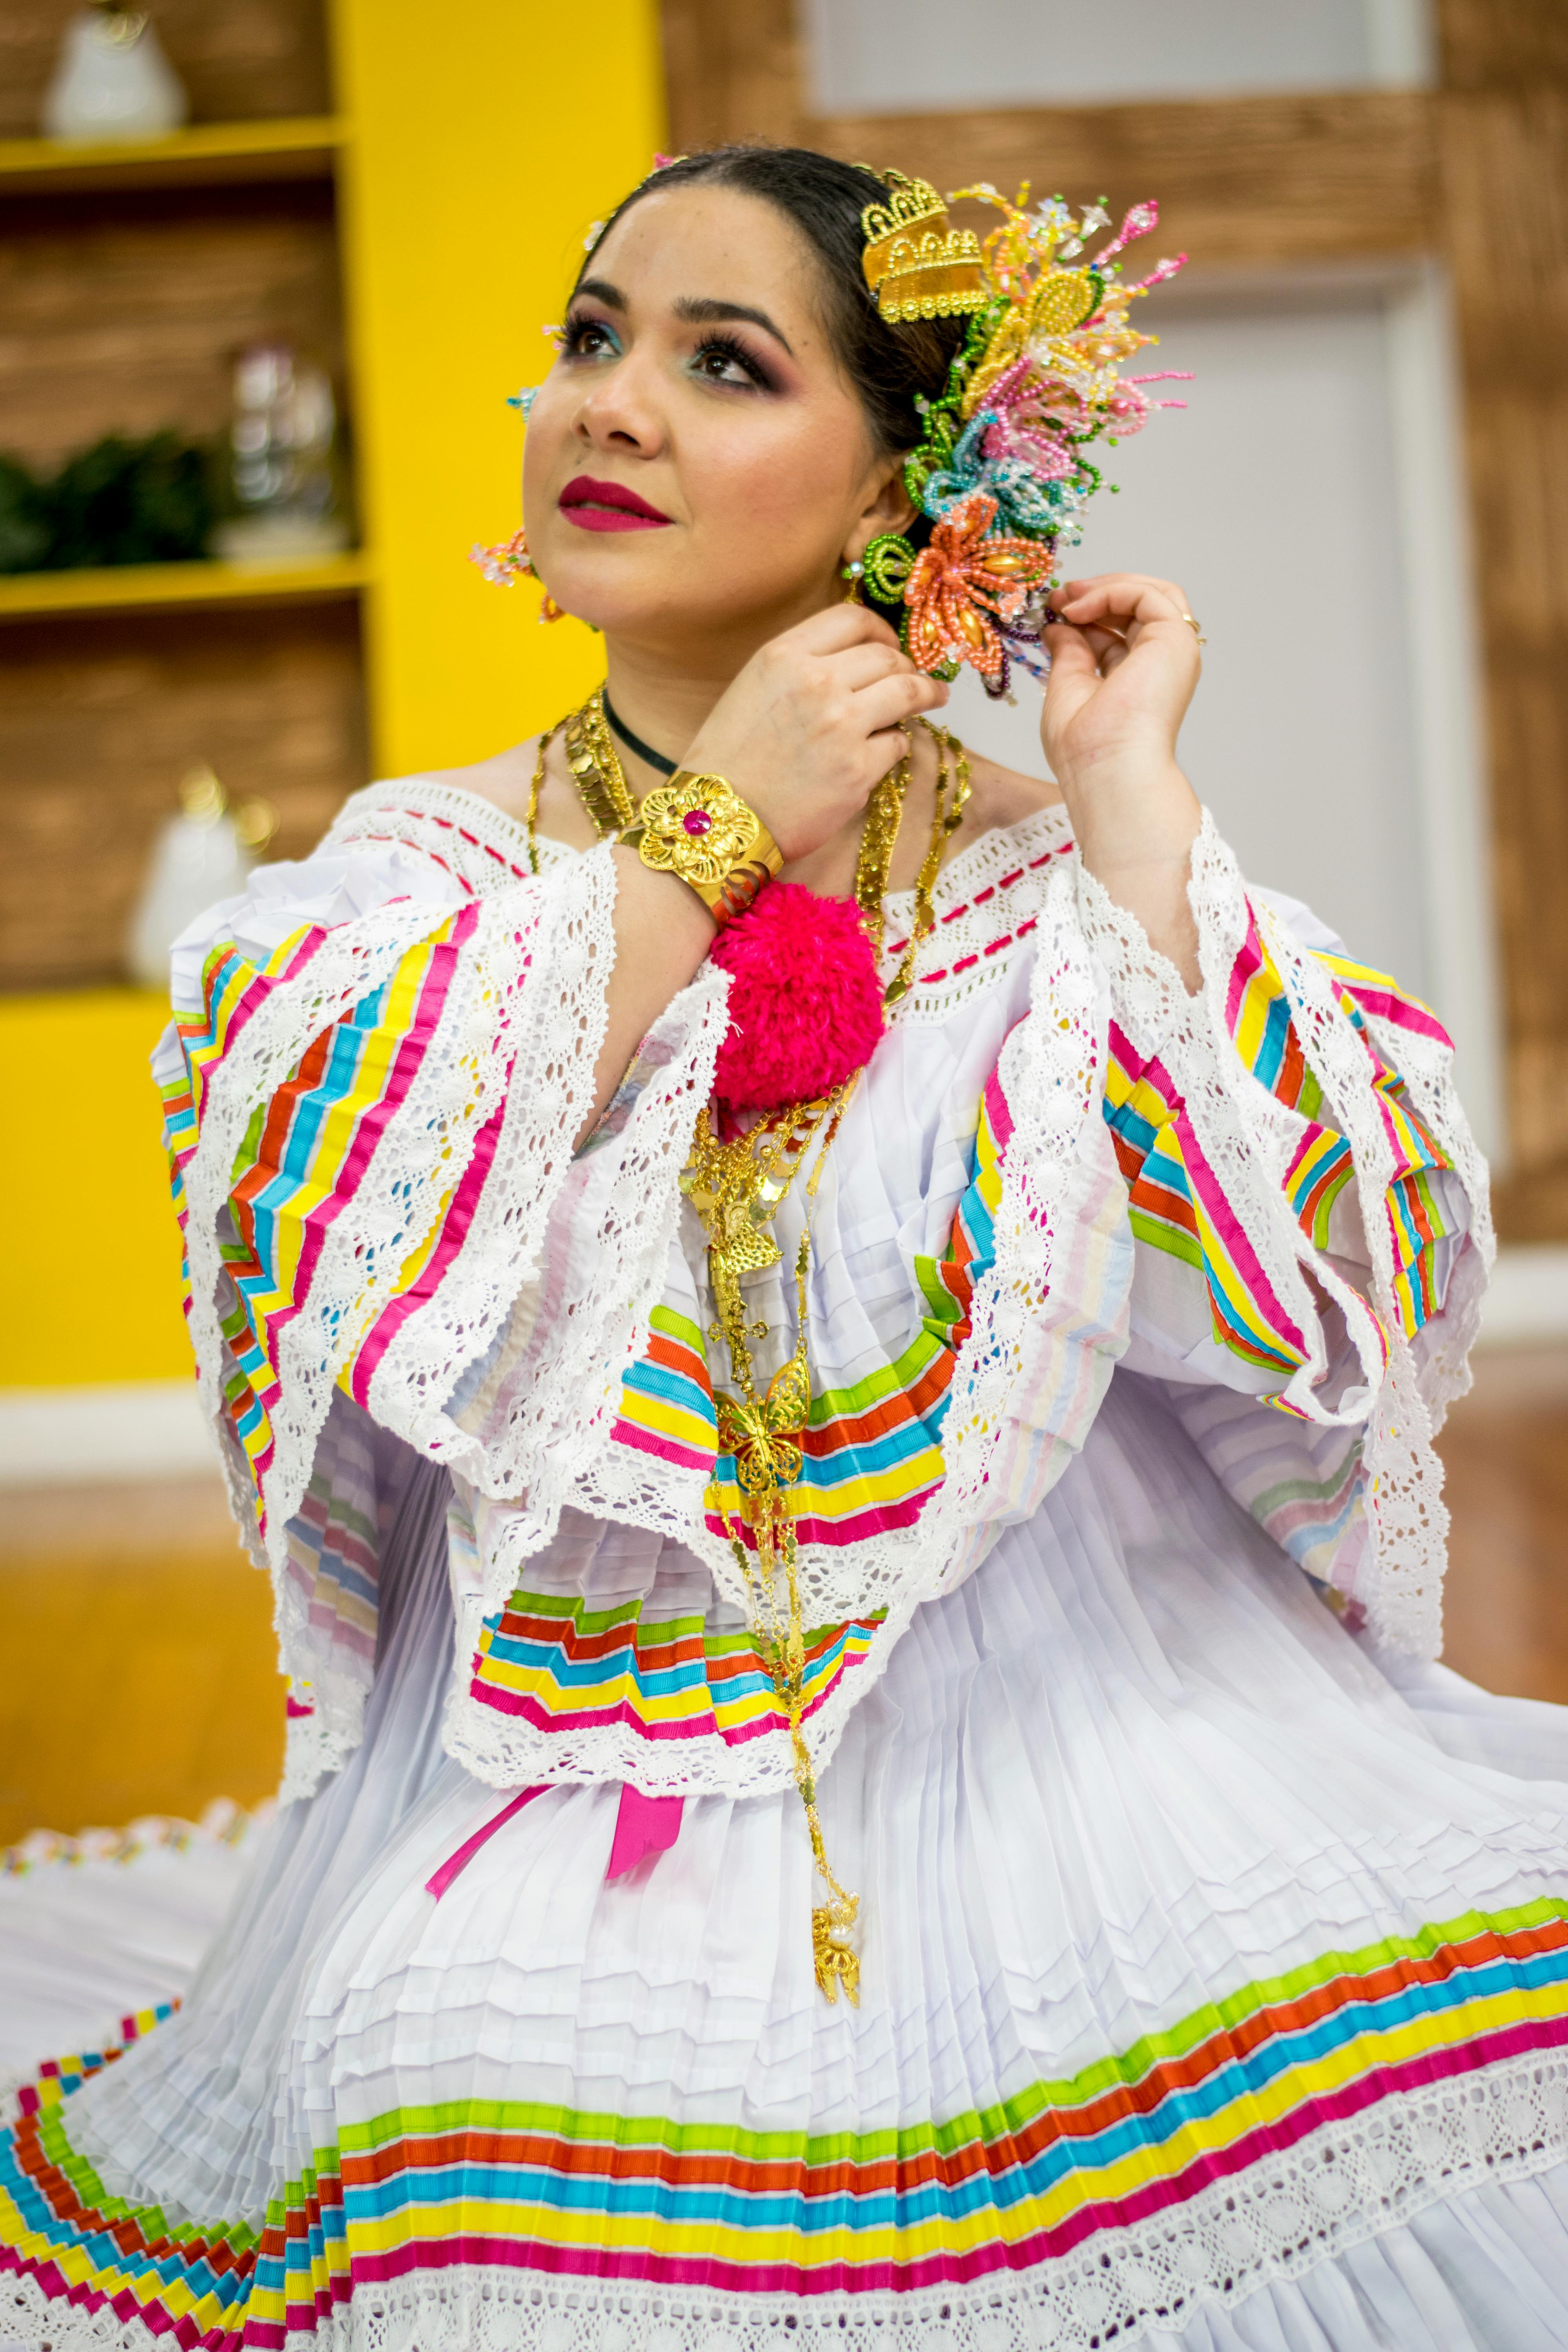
1194	628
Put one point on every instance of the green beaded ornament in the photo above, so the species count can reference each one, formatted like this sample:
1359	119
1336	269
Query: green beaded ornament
888	560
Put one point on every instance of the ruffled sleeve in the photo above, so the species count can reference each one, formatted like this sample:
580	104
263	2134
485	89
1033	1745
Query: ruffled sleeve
1311	1230
373	1083
1263	1196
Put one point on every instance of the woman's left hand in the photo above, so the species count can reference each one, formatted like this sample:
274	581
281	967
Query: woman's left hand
1122	674
1124	663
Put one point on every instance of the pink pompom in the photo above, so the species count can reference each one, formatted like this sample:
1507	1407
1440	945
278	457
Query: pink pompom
806	1005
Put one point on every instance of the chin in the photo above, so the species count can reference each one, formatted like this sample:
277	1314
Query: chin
642	600
613	580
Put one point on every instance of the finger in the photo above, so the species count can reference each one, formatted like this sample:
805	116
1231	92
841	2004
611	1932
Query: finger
1112	655
1124	595
862	666
891	700
885	751
837	628
1074	676
1073	659
1104	628
1123	608
1066	591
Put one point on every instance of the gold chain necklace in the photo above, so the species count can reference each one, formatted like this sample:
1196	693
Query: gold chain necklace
736	1185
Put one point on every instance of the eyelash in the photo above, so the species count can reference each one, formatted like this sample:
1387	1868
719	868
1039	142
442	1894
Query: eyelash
573	335
716	340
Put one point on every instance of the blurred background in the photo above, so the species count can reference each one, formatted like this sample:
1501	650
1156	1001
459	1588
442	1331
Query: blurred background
269	268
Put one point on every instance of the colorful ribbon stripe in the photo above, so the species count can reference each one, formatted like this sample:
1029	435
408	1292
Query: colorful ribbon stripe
563	1667
1177	1200
549	2190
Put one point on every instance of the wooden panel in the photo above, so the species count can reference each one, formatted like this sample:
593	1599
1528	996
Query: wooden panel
1533	1206
1248	180
1502	44
1505	1456
1245	180
732	72
99	720
124	314
1505	184
236	57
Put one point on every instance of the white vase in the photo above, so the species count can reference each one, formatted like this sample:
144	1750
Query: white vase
198	859
113	81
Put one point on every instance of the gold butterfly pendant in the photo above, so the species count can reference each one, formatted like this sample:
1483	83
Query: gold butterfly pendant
764	1436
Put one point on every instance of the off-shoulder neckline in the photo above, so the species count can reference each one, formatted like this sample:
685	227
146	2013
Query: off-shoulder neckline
507	834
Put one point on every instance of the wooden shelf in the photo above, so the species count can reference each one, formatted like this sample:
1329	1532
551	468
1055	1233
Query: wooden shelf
298	147
28	595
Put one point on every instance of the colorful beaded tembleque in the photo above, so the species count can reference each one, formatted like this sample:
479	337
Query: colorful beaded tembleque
1002	476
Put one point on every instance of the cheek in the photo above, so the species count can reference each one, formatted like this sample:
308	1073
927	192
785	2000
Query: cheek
541	442
779	481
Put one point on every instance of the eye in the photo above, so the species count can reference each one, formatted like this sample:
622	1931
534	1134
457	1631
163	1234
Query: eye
584	337
724	359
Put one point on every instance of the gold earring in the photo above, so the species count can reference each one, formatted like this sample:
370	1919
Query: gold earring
854	571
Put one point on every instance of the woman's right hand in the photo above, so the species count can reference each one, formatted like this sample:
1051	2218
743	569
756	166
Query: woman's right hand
813	723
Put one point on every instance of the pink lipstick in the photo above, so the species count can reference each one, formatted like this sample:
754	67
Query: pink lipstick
608	506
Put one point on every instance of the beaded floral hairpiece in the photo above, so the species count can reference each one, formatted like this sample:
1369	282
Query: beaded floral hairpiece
1001	471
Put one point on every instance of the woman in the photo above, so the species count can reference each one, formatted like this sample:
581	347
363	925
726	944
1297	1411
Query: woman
895	1848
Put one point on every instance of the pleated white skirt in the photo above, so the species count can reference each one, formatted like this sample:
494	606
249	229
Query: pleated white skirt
1131	1799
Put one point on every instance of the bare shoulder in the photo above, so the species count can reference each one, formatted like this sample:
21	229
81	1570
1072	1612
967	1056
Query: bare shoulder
506	778
1000	797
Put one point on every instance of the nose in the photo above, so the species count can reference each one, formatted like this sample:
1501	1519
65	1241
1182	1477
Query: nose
620	412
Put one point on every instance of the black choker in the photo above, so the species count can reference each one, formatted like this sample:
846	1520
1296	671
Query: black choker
634	743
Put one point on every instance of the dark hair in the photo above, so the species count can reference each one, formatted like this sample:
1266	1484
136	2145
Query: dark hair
824	199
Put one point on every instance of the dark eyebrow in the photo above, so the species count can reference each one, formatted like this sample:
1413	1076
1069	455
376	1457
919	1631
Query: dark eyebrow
702	310
696	309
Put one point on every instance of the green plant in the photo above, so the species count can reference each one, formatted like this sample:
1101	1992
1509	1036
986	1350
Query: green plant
121	502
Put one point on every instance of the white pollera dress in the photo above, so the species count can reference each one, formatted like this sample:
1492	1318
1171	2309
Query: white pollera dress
1214	1940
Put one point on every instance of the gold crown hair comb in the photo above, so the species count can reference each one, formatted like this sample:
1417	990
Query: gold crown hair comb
915	264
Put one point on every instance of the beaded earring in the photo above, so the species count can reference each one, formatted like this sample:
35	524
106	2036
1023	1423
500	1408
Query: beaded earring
854	571
507	561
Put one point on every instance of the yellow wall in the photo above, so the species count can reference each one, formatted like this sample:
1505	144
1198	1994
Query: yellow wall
93	1262
489	136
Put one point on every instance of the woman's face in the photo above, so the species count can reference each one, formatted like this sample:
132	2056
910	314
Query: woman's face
696	466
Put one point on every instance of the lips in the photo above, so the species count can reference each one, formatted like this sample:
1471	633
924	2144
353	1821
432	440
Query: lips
608	506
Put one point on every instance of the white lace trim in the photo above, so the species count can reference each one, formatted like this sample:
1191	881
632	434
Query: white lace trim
1015	1420
987	897
475	842
351	963
1048	1321
1248	1137
508	1034
1027	1386
1345	2185
987	903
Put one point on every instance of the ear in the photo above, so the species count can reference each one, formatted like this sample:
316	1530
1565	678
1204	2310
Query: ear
887	507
